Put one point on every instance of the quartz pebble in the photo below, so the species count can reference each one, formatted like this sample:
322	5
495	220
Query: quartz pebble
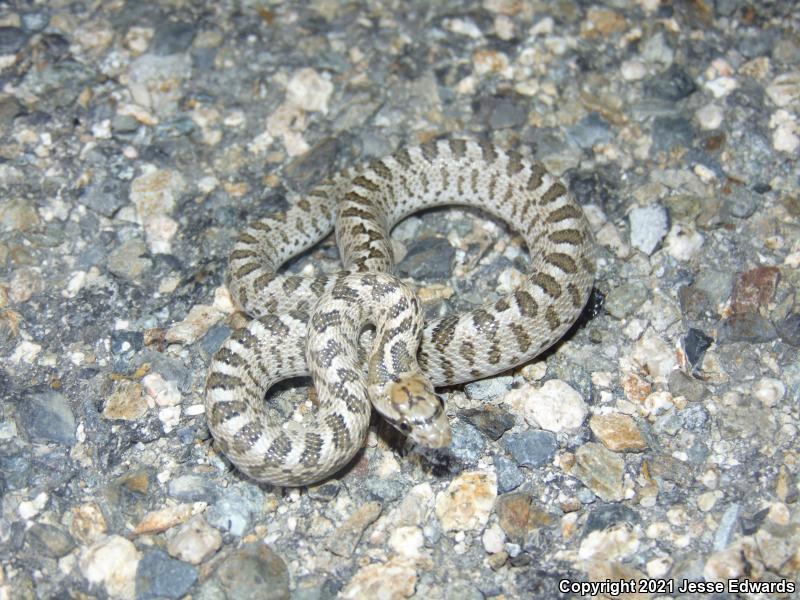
467	502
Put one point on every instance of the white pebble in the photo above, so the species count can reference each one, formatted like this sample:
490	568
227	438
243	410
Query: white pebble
683	242
709	116
633	70
769	391
493	539
308	90
649	225
555	407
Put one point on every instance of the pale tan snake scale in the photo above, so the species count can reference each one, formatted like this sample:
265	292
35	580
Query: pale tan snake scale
398	378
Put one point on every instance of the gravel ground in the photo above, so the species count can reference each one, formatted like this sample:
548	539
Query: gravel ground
655	444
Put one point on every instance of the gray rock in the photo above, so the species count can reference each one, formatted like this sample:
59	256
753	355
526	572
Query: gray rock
386	490
193	488
50	540
590	131
789	329
649	225
254	572
623	300
35	21
741	203
670	133
725	529
172	37
462	590
467	445
233	512
428	258
507	113
12	39
672	84
681	384
509	475
746	327
490	420
531	448
46	416
159	576
603	516
488	389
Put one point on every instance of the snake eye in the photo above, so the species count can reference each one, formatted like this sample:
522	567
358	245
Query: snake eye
404	427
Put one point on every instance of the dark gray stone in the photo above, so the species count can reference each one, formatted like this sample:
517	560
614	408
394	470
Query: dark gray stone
603	516
46	416
531	448
105	196
467	445
506	114
490	420
695	345
159	576
172	37
747	327
194	488
672	84
125	341
386	490
11	40
428	258
50	540
789	329
590	131
509	475
671	132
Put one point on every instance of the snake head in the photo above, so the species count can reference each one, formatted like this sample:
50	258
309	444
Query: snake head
416	410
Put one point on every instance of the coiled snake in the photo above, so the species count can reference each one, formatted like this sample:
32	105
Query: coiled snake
311	325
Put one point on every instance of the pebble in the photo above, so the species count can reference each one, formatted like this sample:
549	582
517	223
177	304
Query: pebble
509	475
695	344
555	406
159	576
519	516
618	432
490	420
407	541
46	416
112	563
195	541
613	544
344	540
467	443
784	89
50	540
309	90
162	519
128	260
489	389
709	117
649	225
769	391
493	538
126	402
430	258
600	470
105	196
233	513
531	448
467	502
789	329
623	300
253	572
12	39
683	242
672	84
672	133
655	355
394	579
680	384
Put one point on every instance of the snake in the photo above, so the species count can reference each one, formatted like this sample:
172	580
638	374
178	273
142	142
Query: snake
313	325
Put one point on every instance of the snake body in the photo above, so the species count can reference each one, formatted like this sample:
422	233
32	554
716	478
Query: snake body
305	325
